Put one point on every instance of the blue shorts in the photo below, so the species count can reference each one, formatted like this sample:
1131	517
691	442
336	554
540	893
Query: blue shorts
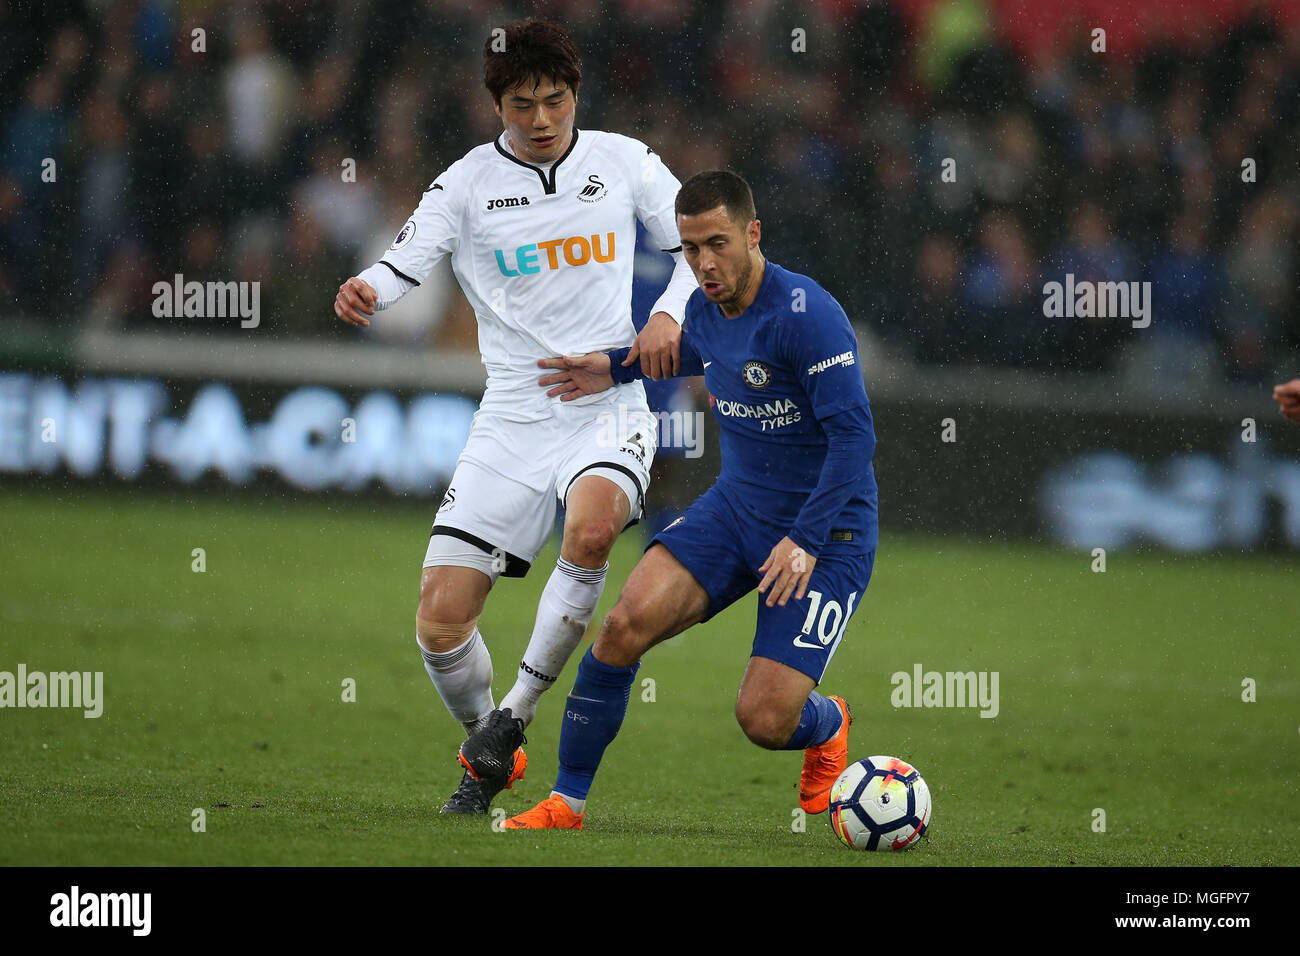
724	551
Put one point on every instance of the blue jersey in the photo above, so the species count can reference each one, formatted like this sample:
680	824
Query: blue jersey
795	425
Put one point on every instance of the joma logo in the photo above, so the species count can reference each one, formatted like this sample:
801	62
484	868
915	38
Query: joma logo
507	202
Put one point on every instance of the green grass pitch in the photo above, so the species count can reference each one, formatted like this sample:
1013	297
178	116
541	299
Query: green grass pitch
223	692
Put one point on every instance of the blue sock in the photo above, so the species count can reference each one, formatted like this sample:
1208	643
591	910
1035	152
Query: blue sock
819	722
593	713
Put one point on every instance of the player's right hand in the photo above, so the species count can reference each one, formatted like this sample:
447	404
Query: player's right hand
1288	399
659	347
355	297
577	375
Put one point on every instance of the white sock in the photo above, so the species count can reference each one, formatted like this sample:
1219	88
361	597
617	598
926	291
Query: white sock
574	804
463	678
568	602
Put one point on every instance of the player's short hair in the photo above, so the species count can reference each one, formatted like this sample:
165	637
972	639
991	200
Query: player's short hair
714	188
529	50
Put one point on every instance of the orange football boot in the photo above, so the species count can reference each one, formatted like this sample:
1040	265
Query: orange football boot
823	764
551	814
517	767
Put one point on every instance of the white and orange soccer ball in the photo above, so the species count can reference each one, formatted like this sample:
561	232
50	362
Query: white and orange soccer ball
880	803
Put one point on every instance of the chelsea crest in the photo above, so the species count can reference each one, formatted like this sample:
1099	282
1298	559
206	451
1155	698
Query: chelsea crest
756	375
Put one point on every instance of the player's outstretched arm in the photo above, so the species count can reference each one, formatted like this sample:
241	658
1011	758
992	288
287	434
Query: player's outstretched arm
576	376
356	300
628	364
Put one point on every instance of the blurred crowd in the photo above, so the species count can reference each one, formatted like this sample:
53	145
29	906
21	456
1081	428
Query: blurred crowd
223	154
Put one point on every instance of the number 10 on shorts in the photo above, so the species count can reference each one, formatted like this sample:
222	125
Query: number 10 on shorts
831	623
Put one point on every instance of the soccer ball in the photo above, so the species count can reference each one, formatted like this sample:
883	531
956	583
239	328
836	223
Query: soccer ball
880	803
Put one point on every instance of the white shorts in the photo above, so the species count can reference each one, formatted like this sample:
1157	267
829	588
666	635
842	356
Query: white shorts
518	465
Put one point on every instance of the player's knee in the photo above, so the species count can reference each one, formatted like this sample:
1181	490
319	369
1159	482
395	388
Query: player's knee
764	725
590	542
443	620
621	642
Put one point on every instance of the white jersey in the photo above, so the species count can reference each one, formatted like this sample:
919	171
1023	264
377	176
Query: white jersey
543	253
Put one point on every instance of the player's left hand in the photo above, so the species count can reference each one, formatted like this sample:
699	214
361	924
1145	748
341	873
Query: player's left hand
787	568
578	375
659	346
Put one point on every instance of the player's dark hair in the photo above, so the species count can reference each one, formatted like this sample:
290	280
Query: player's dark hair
714	188
529	50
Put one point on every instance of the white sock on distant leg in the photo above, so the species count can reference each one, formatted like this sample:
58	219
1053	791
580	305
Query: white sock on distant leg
463	678
568	602
574	804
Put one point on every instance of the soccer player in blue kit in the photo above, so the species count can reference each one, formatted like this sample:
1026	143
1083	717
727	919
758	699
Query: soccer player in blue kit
792	513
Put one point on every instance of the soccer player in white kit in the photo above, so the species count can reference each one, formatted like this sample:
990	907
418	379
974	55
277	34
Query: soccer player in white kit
541	229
